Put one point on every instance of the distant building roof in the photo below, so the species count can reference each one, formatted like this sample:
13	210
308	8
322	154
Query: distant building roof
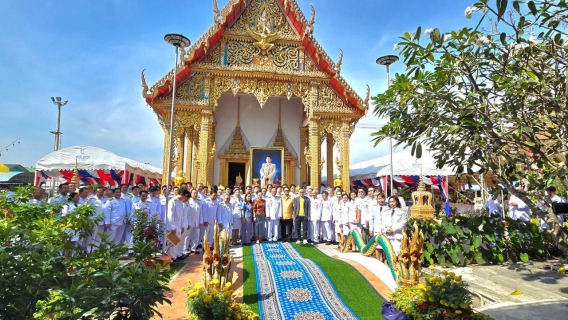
18	174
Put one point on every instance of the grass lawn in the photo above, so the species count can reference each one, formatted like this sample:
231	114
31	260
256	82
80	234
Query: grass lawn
250	293
351	285
175	267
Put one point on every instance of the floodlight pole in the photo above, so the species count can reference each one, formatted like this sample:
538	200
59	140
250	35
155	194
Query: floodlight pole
57	101
176	40
387	61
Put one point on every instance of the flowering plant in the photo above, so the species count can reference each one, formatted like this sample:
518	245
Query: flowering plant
442	297
215	303
146	229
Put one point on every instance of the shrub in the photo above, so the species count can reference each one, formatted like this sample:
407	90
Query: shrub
462	240
44	275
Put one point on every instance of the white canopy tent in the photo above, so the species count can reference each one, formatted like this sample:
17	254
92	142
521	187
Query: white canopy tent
406	164
95	165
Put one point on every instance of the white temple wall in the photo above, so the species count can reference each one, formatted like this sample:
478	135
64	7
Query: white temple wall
258	124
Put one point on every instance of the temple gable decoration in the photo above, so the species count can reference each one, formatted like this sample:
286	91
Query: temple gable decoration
265	48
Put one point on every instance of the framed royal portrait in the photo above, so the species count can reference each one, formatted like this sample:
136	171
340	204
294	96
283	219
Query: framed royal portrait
266	166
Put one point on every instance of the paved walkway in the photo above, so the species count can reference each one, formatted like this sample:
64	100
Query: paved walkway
541	291
192	271
292	287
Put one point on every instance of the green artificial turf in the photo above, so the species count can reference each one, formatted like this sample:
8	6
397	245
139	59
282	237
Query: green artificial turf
250	293
351	285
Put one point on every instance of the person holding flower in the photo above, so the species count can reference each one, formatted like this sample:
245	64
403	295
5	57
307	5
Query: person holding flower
246	218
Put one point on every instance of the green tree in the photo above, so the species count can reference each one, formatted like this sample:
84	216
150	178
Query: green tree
493	96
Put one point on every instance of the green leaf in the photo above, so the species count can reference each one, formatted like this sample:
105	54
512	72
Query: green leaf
479	258
450	229
532	7
501	8
516	6
477	241
524	257
503	38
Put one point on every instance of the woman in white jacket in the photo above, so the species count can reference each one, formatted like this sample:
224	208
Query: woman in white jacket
393	221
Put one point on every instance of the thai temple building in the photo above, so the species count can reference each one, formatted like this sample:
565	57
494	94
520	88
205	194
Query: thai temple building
257	81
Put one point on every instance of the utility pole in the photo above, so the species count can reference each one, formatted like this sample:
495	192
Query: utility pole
57	101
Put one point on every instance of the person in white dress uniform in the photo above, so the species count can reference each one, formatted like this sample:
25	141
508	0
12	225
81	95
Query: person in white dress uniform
196	213
38	196
315	216
361	206
62	196
225	213
83	195
98	201
273	215
143	204
393	222
209	217
135	197
115	216
327	217
518	209
376	214
552	198
72	204
236	224
178	215
345	213
400	199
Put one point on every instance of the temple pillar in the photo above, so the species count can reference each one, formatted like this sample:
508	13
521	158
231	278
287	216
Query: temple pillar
195	155
303	163
211	159
292	172
204	138
329	158
188	153
344	151
314	148
180	141
166	156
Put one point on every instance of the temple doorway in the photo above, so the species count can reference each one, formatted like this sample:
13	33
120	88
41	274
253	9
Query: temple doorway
236	174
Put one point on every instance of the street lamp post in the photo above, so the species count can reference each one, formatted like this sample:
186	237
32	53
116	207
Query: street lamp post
176	40
57	101
387	61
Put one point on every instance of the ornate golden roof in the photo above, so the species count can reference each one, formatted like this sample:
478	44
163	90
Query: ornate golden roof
234	22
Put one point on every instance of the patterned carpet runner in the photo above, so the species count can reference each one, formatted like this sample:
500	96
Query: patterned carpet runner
291	287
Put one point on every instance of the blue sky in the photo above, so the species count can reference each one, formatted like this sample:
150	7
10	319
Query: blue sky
91	53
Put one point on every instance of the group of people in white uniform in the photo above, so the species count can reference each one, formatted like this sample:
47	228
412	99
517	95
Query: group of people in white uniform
325	216
115	210
279	213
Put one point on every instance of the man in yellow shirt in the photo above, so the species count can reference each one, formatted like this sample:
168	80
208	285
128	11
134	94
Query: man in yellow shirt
286	215
302	216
